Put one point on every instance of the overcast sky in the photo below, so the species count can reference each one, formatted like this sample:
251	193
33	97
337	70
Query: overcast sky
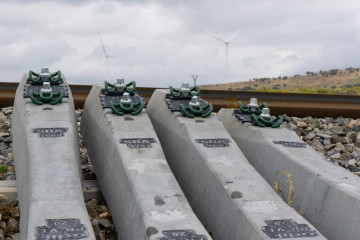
161	43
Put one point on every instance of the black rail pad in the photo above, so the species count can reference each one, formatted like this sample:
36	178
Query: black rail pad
116	93
105	100
246	117
37	89
174	103
40	82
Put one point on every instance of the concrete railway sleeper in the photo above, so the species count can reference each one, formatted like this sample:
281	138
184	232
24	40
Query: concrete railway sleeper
46	152
328	195
143	196
230	198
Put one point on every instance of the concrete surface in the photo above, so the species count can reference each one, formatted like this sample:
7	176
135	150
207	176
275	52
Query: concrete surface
140	190
227	194
328	194
48	170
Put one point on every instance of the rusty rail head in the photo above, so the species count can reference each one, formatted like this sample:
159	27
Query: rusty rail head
300	105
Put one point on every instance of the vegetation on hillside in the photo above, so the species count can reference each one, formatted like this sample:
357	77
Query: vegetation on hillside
333	81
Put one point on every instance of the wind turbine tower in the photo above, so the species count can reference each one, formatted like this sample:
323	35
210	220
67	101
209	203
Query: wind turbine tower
226	42
194	76
106	56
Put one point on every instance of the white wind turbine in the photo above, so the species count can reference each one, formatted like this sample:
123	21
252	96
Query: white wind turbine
226	50
106	56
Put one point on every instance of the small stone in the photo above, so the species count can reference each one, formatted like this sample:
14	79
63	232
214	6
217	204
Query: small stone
8	111
353	123
351	136
333	152
15	212
357	150
4	199
301	124
104	222
340	146
330	146
341	120
101	235
357	128
317	145
12	226
357	173
335	139
286	118
318	123
92	202
335	156
349	147
357	140
310	136
101	209
104	215
10	176
95	226
326	141
352	164
323	135
91	211
338	130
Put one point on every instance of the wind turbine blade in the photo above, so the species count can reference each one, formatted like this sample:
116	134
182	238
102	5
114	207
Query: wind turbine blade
232	36
102	45
219	39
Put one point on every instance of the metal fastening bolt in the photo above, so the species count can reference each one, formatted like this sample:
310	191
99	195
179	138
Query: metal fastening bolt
45	74
265	113
185	89
253	104
46	88
194	101
120	84
125	98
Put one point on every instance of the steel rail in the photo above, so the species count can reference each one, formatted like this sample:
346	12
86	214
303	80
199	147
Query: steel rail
293	104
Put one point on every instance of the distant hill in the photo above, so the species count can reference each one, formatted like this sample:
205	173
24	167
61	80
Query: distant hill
346	81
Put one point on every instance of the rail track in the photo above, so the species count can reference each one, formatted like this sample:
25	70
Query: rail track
147	162
300	105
